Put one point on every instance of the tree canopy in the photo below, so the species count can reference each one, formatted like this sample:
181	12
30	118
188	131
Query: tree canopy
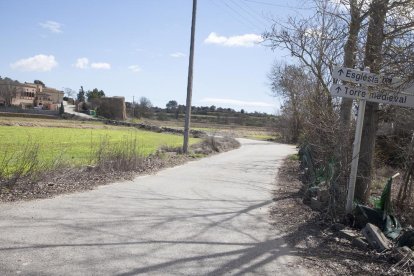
171	105
81	95
94	94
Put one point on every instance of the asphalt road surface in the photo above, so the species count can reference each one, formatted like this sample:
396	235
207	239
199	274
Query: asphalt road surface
70	108
207	217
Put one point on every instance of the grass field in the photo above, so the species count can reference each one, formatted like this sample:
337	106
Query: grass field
77	145
76	142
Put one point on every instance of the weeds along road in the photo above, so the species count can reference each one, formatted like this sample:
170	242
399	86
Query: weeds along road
206	217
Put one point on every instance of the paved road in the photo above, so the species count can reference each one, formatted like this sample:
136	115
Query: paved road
70	108
208	217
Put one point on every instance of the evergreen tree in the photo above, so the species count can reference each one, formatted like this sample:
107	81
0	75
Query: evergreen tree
95	94
81	95
61	109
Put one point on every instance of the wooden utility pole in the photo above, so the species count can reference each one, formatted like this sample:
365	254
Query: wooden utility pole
190	81
133	106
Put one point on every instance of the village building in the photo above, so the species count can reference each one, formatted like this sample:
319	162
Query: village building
29	95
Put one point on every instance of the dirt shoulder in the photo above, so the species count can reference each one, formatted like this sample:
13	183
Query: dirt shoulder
321	247
70	180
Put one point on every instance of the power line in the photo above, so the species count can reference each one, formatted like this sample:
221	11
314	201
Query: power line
275	5
250	13
241	16
236	18
239	12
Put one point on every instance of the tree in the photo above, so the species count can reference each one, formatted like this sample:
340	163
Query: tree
61	109
81	95
70	93
181	108
8	90
378	32
94	94
171	106
39	82
290	82
144	108
358	13
374	33
316	41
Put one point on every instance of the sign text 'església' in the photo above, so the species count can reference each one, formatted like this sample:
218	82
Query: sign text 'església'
361	77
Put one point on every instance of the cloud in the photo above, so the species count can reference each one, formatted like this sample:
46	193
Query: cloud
82	63
135	68
234	102
177	55
101	65
38	63
246	40
52	26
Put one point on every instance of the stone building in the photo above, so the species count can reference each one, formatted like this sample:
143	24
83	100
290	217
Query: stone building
27	95
111	108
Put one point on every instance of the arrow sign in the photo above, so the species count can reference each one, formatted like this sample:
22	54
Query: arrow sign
338	89
361	77
394	98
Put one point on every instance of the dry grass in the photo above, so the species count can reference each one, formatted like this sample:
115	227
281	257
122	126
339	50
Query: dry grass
111	162
321	248
29	122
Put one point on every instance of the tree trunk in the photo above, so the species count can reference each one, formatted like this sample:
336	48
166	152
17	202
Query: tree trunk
343	151
349	61
373	60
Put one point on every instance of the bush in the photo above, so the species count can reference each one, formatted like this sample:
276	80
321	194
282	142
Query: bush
16	165
61	109
123	156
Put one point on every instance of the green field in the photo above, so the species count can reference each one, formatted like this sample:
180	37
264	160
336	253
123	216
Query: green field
77	145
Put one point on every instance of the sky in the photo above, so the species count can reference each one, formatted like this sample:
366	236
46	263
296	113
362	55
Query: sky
140	48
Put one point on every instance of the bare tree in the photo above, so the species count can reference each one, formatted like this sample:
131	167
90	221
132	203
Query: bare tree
8	90
144	108
379	31
357	12
373	33
69	92
292	83
315	41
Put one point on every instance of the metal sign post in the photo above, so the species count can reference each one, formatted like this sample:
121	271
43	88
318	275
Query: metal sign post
355	156
403	97
355	151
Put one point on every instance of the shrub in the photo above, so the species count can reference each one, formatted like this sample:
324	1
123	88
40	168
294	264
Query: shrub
16	165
